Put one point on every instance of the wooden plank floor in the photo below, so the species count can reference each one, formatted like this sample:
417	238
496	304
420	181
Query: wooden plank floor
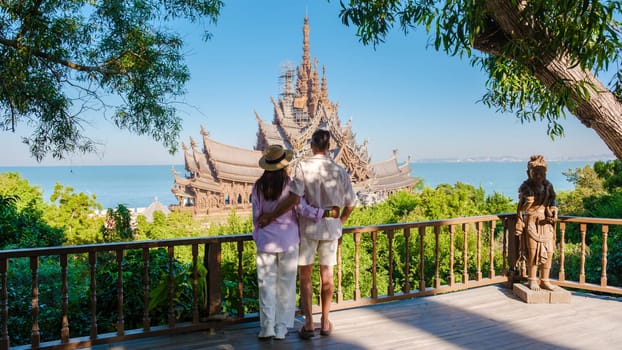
482	318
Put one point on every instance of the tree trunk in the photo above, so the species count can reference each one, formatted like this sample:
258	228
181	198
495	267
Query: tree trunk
601	111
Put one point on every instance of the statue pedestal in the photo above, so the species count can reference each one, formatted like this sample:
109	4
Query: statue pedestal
557	296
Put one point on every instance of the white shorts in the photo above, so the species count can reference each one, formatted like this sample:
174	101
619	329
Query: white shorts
326	251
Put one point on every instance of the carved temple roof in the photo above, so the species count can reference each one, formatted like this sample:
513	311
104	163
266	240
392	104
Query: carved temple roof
389	175
230	162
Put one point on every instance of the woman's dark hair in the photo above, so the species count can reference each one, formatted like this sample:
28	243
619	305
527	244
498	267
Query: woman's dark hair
272	183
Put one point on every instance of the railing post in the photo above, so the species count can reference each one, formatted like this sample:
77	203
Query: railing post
390	287
213	258
34	270
562	252
64	331
603	273
357	275
582	268
437	258
146	263
452	233
240	249
339	272
120	302
465	254
478	230
406	288
4	304
93	293
513	246
195	284
421	259
491	272
374	266
171	286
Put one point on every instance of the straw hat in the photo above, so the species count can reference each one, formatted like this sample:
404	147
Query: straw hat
275	157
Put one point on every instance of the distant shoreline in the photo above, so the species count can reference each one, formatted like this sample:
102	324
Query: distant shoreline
501	159
91	165
513	159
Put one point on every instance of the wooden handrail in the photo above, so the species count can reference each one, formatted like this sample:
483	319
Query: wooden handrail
397	261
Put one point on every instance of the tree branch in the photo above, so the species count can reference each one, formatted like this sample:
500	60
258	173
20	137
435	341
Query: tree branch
82	68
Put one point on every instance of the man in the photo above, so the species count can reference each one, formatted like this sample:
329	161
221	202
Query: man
324	184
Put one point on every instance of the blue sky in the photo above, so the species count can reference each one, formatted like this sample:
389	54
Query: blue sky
400	95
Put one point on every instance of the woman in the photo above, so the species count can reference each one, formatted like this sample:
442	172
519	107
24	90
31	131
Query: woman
277	243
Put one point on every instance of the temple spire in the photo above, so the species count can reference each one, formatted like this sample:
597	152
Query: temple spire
314	91
304	70
306	47
324	85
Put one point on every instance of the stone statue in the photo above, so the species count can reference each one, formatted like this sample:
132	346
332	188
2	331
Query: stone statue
535	225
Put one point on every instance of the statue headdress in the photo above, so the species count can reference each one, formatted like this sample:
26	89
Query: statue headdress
536	161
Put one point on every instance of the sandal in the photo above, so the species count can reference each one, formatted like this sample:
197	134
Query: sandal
328	331
306	334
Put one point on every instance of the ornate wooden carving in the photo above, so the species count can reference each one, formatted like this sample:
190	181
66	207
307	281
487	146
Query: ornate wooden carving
299	112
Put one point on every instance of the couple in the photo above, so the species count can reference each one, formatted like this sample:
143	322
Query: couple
295	218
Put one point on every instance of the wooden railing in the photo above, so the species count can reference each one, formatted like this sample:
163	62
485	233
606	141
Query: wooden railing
375	264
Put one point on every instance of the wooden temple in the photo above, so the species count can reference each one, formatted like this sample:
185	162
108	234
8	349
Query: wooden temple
220	176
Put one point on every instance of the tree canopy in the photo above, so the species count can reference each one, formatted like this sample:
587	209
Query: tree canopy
544	58
22	211
59	59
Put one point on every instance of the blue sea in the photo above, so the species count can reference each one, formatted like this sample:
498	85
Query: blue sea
137	186
501	177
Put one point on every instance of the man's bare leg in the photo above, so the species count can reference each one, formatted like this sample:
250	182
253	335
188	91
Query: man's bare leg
326	274
306	295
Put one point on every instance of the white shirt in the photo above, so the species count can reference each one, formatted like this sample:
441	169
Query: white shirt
324	184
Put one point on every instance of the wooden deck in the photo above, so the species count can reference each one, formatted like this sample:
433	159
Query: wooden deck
482	318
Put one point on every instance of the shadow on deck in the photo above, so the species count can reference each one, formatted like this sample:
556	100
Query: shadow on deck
489	317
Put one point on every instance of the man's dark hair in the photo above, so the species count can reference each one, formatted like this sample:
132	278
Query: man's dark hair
321	139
